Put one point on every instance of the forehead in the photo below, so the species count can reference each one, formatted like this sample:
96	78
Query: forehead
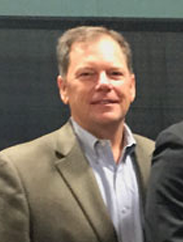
104	45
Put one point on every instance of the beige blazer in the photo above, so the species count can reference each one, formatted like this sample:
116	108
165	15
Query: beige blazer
48	192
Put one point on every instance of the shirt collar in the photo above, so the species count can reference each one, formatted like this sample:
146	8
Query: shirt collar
128	137
88	141
129	142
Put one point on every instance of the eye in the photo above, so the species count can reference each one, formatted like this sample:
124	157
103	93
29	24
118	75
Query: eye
86	75
116	74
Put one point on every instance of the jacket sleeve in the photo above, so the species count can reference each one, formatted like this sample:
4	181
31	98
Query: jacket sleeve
14	213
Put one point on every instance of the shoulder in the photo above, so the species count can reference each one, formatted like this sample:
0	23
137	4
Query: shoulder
144	150
144	143
171	135
42	142
36	159
45	145
169	146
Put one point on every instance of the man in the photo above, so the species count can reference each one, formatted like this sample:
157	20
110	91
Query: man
164	211
85	182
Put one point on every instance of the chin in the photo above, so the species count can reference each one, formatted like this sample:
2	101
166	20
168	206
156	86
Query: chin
108	120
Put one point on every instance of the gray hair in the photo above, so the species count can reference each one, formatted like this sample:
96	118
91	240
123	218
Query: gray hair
84	34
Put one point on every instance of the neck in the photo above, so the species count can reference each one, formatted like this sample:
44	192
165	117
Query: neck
114	134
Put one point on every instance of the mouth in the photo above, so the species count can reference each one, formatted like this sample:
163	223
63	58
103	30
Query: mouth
104	102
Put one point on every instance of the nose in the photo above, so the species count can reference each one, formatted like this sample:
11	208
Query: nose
104	82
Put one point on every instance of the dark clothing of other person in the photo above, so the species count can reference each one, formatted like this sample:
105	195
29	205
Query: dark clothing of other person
164	209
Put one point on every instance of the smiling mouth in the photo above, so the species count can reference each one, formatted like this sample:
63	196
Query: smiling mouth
107	101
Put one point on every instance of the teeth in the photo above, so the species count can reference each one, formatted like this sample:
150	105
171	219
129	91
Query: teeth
105	101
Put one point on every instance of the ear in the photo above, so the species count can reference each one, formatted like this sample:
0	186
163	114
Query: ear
62	86
133	87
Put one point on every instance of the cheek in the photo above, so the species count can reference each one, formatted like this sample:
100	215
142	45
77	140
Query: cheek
120	90
125	91
78	96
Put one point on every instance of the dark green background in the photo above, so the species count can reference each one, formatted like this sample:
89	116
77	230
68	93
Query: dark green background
93	8
29	100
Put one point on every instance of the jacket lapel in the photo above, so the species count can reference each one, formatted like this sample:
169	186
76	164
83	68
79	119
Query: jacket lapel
79	177
143	155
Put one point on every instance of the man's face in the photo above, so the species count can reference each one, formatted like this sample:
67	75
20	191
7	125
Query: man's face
98	87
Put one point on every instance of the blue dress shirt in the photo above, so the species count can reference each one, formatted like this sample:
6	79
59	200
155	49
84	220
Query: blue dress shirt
117	182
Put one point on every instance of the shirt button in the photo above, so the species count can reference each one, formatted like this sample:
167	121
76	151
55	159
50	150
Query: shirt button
102	143
123	210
